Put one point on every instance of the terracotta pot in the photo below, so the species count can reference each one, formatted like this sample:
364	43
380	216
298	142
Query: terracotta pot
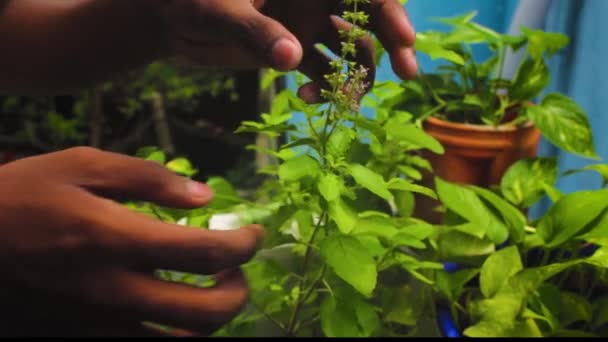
475	154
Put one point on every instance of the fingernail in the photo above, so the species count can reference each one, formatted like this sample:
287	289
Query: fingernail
199	191
284	55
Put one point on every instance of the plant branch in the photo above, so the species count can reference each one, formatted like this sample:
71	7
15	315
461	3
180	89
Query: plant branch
307	256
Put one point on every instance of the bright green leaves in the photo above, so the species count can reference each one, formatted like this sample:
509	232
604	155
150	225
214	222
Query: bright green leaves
541	42
525	183
531	79
343	215
298	168
564	124
182	166
475	211
340	141
498	268
452	285
572	215
330	187
430	43
414	136
351	261
370	180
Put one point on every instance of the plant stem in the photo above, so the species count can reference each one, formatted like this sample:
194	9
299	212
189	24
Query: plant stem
307	256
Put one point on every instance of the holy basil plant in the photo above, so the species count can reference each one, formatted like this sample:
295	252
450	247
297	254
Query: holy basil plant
466	90
341	247
522	278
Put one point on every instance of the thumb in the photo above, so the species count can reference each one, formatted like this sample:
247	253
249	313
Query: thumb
268	38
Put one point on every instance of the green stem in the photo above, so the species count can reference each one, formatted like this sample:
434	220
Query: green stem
307	256
310	291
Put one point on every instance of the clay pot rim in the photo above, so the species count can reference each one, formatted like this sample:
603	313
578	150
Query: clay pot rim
477	128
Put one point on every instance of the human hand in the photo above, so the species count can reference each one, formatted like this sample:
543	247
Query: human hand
283	33
72	259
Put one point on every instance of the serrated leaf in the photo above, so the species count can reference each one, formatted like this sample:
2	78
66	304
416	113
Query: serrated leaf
370	180
330	187
298	168
348	316
351	261
414	136
344	216
401	184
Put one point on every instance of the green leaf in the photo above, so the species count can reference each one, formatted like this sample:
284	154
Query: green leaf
414	136
430	45
182	166
502	309
405	306
514	219
343	215
521	329
340	141
370	180
541	42
597	229
530	279
298	168
453	196
330	187
376	226
564	124
452	285
577	309
401	184
523	184
351	261
458	244
152	154
345	316
373	127
225	196
269	77
497	269
600	311
570	215
531	79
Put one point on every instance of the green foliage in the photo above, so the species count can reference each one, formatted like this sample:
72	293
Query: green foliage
466	90
345	258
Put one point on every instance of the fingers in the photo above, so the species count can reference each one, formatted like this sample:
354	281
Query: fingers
149	299
390	22
316	65
269	38
118	175
142	242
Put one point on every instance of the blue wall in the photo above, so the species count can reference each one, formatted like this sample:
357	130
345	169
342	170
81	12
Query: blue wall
496	14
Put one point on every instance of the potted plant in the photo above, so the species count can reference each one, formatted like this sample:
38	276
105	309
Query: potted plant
344	257
507	276
485	121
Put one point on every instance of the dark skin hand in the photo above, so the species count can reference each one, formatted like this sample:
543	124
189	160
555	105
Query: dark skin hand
81	256
76	263
282	34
